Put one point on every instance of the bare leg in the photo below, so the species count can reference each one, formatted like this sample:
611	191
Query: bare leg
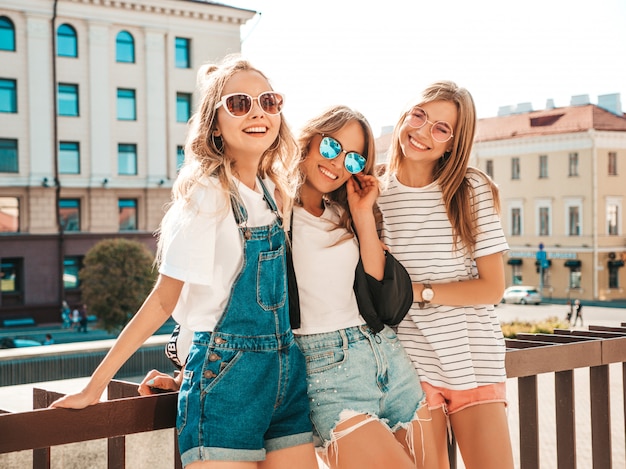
440	432
423	443
482	433
370	446
221	465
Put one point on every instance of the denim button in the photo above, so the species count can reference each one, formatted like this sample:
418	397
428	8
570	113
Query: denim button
209	374
219	340
213	357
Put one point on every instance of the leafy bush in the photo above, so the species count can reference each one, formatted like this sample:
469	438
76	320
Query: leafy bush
117	276
547	326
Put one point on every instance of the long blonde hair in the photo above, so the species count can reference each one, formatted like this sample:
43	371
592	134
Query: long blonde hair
204	156
329	121
451	169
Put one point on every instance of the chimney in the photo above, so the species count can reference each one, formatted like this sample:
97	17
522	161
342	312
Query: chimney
579	100
550	103
611	102
505	110
523	108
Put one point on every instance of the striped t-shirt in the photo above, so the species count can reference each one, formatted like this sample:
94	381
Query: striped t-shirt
453	347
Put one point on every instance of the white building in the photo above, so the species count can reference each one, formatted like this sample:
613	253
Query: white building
94	100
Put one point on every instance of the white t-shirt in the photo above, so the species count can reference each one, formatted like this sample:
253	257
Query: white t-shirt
452	347
203	248
324	260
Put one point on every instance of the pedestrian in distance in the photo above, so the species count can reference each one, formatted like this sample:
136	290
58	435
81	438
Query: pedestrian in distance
570	311
221	255
578	309
66	320
441	220
83	319
49	340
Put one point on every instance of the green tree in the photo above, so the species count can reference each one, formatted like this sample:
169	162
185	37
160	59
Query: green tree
117	276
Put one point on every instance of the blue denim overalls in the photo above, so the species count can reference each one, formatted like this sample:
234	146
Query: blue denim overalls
244	389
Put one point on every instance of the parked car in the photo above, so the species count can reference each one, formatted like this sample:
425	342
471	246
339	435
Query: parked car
522	294
8	342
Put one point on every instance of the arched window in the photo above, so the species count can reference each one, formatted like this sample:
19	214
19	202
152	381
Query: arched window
67	42
124	47
7	34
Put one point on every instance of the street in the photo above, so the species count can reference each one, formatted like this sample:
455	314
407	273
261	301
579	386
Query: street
592	315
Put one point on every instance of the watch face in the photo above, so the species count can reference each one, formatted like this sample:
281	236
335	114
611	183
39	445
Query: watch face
427	294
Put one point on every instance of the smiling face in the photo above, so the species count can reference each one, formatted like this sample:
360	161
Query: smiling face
251	135
322	175
418	145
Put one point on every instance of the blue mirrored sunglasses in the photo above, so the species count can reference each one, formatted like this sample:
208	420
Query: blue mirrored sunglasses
331	149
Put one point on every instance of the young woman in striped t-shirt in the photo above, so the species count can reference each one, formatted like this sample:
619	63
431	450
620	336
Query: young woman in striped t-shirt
441	220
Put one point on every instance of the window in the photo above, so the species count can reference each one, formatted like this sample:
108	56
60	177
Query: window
68	100
573	221
516	221
7	34
612	218
11	281
573	164
71	267
543	166
489	168
126	107
67	43
69	214
127	214
69	158
543	209
182	53
124	47
8	95
515	168
126	159
183	107
574	277
9	215
544	221
8	155
180	157
612	163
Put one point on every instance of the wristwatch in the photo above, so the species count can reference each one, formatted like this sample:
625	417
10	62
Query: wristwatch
427	295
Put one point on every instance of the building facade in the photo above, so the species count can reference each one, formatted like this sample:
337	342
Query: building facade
95	96
562	179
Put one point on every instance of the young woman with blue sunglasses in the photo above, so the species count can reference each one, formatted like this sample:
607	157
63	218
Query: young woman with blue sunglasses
441	220
222	254
366	404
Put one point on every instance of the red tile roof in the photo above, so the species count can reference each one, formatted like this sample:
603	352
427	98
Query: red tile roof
548	122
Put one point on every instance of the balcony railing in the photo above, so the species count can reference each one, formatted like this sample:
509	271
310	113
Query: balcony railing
528	356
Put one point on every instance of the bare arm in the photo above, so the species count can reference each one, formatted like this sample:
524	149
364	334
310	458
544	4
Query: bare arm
362	194
486	289
155	310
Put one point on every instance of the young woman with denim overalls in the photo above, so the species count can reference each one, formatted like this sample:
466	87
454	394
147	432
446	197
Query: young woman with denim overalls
222	267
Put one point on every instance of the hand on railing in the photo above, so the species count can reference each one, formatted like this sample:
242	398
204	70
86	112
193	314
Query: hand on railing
157	382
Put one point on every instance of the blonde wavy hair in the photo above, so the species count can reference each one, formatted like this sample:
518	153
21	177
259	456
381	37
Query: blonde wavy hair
329	121
205	156
452	169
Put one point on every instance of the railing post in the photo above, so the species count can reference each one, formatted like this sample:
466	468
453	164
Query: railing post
565	419
600	416
528	422
41	400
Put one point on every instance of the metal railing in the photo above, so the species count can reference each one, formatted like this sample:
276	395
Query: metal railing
528	356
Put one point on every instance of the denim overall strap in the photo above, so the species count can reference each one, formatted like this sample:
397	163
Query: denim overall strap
256	315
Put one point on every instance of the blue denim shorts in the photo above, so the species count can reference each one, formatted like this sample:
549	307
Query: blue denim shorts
355	371
240	398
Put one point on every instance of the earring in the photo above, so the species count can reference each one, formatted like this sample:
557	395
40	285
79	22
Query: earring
446	155
218	143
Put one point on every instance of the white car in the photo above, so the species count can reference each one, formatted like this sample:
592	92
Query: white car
521	294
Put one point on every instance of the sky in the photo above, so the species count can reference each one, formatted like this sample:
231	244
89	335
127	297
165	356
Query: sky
376	56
